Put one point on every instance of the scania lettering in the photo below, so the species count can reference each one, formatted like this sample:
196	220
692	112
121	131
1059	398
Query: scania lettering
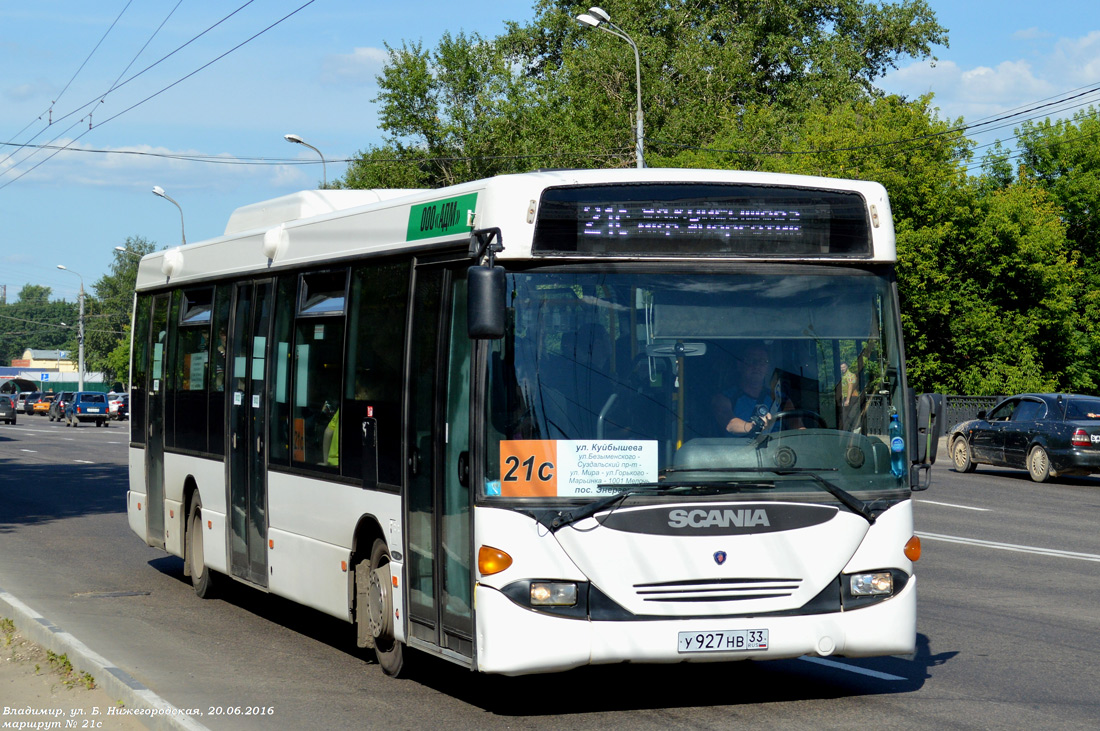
545	420
722	518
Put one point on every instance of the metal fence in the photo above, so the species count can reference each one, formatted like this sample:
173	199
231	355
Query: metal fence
953	408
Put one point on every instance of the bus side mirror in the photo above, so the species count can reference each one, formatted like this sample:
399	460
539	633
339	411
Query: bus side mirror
927	439
485	310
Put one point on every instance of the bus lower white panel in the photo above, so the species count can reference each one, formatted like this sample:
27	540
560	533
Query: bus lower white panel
309	572
207	474
174	530
215	550
513	640
889	628
136	515
324	510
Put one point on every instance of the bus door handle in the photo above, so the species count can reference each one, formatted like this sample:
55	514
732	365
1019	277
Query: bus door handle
234	440
259	445
464	469
414	461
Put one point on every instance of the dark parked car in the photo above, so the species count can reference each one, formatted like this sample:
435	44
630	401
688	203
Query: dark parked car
1049	435
86	406
57	408
7	408
28	399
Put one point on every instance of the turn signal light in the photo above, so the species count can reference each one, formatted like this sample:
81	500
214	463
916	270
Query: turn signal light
912	549
492	560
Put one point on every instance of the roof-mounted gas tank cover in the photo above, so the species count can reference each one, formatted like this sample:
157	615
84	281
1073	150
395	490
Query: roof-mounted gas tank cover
304	204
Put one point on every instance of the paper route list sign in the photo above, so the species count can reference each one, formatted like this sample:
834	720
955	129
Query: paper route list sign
567	468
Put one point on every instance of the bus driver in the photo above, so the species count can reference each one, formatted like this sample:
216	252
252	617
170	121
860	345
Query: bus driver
748	407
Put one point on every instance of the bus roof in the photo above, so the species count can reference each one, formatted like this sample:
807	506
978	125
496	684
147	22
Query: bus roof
311	227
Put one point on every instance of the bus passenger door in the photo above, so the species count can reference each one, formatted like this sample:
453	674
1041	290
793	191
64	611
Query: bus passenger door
247	426
439	533
154	411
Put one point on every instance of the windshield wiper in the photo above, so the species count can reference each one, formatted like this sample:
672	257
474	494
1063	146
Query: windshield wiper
567	516
849	500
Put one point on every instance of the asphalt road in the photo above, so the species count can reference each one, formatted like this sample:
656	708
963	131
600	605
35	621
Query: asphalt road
1009	622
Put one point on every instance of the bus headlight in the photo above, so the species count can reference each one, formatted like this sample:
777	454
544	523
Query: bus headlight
553	594
874	584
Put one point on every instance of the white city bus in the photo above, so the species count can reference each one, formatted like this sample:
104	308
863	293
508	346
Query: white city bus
544	420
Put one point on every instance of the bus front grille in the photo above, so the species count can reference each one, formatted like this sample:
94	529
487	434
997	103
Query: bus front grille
717	590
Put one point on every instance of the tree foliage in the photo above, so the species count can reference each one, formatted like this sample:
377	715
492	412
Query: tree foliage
108	312
33	321
553	93
998	274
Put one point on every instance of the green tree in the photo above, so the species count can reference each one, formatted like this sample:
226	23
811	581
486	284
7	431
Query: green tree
1015	326
33	321
108	312
1063	157
554	94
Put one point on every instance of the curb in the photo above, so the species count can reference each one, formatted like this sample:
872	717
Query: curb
152	710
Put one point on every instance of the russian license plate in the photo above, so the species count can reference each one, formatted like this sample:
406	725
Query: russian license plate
93	411
729	640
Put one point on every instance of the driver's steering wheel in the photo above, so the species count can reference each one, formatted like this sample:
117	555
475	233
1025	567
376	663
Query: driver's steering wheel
798	414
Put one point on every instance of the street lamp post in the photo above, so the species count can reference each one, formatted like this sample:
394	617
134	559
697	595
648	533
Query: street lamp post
157	190
80	331
126	251
598	18
299	141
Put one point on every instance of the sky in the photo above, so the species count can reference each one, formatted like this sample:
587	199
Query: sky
165	78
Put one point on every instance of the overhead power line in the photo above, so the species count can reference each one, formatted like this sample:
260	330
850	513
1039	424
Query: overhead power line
166	88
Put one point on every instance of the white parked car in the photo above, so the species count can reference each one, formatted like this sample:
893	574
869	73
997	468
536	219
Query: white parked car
118	405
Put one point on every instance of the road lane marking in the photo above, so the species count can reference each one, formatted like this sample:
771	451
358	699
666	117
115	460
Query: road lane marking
851	668
1010	547
32	451
953	505
83	461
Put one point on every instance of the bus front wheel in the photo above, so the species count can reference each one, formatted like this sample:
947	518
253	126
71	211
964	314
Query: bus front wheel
375	590
202	579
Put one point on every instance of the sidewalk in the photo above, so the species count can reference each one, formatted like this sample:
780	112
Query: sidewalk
34	693
49	679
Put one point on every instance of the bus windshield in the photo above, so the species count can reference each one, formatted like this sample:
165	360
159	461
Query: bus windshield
769	381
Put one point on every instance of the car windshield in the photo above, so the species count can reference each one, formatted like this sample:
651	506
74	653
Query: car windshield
729	382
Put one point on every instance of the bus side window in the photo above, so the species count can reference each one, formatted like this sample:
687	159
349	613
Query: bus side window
317	369
373	384
279	439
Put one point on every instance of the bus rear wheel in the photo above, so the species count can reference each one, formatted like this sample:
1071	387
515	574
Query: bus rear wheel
202	579
374	587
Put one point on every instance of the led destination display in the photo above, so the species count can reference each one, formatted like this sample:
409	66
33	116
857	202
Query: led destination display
703	219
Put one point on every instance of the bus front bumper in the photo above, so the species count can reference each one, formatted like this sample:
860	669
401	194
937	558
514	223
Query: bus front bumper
512	640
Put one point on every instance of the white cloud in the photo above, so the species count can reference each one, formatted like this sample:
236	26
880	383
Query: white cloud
359	68
984	91
971	93
1031	34
1076	60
